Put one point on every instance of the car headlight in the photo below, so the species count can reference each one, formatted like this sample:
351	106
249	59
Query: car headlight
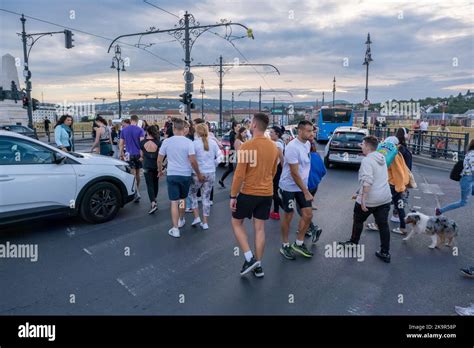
124	168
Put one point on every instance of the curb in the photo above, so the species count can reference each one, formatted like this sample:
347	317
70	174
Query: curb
440	164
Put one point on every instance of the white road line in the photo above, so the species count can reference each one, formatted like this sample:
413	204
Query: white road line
87	251
416	207
416	197
126	287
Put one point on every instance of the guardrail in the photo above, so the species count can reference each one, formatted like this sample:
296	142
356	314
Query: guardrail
436	144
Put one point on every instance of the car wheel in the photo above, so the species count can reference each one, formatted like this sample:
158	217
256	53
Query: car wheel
100	203
327	164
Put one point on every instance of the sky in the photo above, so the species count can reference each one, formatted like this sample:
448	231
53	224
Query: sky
419	49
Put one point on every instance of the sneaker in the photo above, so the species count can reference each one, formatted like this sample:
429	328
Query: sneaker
212	203
174	232
258	272
383	256
316	235
200	199
301	249
181	222
347	242
437	212
274	216
137	198
204	226
154	208
399	230
188	210
196	221
221	183
249	266
468	272
395	219
372	226
287	252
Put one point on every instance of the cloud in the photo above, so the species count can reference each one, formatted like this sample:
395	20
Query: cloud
419	48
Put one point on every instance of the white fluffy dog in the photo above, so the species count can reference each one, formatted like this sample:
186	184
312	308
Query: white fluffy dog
439	228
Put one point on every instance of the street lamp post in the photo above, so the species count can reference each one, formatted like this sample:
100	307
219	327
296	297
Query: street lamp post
232	108
117	58
333	90
202	91
367	60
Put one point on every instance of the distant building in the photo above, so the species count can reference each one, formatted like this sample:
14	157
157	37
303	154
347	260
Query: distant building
45	110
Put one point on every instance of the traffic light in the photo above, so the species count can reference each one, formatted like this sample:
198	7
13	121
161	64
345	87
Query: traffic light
250	34
189	98
25	102
35	104
184	98
68	38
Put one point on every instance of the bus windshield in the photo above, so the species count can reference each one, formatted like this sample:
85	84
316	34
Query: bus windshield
336	116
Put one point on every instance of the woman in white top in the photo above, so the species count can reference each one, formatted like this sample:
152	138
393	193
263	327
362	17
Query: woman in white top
240	138
208	155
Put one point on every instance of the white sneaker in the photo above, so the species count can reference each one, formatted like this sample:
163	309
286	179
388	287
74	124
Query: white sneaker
188	210
174	232
204	226
395	219
212	203
196	221
398	230
181	222
200	199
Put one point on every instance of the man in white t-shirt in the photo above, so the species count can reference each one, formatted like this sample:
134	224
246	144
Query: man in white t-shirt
424	126
181	162
294	190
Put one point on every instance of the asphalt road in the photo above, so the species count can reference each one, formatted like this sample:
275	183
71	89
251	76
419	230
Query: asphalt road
199	274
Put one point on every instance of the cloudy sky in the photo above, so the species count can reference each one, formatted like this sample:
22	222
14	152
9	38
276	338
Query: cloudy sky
420	49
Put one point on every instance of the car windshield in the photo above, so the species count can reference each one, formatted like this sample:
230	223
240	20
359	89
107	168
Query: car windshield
348	137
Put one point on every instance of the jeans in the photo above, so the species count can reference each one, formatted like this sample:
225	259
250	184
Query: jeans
151	179
381	219
399	204
467	187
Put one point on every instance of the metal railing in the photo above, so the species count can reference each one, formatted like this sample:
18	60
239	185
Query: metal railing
436	144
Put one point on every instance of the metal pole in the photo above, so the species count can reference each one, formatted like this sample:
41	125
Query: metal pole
27	74
273	111
232	112
260	99
220	93
119	93
202	105
187	60
323	100
333	90
250	102
366	93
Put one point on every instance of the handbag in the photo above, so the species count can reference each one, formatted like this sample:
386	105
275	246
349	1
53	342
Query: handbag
456	171
412	183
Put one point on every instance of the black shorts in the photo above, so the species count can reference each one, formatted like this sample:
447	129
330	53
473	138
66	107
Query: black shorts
134	162
289	199
253	206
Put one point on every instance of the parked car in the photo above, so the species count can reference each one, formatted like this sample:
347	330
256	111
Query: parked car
345	146
38	180
20	130
225	141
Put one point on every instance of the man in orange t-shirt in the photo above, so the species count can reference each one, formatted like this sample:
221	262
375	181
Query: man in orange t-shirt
252	191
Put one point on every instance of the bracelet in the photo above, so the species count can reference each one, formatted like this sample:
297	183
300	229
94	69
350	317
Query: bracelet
233	197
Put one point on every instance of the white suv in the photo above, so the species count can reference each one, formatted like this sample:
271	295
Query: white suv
38	180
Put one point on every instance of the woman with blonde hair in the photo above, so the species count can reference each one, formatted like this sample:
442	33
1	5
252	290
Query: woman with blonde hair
208	155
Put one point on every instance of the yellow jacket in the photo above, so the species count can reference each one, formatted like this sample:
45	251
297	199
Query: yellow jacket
398	174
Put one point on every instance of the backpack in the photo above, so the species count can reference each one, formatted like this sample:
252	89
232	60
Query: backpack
456	171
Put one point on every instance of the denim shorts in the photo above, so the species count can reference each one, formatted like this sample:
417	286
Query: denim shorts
178	186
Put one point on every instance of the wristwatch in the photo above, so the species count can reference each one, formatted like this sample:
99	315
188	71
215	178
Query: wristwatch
233	197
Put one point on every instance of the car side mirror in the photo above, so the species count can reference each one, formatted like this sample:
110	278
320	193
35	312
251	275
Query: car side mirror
58	158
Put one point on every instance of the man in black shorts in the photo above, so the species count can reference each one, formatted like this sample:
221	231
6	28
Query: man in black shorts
252	191
294	190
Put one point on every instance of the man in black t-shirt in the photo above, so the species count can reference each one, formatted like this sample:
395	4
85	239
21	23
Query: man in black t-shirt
46	127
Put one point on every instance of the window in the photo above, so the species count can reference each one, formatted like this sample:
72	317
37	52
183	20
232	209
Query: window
18	151
336	116
346	137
